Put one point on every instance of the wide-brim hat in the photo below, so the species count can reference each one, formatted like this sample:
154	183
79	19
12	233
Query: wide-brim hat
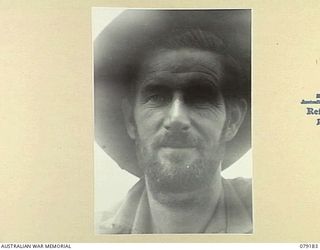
120	47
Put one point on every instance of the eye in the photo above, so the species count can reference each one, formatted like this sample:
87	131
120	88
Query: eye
200	100
157	99
202	96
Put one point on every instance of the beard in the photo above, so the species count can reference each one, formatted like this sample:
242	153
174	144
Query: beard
179	172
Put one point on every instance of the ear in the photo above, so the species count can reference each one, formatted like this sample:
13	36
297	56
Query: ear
235	115
127	111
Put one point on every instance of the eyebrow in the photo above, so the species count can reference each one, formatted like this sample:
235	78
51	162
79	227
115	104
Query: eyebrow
201	84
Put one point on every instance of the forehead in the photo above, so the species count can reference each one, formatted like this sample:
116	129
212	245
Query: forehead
179	67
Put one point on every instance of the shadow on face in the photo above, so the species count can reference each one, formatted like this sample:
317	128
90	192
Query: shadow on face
179	119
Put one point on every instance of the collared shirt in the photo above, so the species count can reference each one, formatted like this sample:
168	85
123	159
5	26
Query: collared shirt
232	213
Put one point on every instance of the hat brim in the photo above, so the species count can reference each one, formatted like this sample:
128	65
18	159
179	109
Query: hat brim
120	46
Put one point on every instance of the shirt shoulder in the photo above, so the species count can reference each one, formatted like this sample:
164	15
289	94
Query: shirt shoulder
119	219
103	219
243	188
238	197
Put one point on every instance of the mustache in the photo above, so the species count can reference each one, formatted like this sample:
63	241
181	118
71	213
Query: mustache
176	140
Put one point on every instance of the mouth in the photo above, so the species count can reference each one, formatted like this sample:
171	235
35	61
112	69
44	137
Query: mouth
179	150
178	156
177	147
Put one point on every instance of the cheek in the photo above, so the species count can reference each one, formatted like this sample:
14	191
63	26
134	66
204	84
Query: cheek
210	126
148	121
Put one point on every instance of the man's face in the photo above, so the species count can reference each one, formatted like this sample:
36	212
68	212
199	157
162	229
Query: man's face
179	118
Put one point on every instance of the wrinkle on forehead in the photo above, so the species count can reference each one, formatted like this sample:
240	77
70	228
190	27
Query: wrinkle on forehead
183	62
177	80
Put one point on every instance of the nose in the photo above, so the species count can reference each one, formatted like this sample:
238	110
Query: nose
177	119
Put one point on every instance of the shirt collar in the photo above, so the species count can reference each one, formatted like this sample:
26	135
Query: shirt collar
133	217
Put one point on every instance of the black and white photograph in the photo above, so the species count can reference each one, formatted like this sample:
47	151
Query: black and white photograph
160	124
172	121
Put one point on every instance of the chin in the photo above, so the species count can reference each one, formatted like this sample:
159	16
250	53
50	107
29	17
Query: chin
178	171
179	178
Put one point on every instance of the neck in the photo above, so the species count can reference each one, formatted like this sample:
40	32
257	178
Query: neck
187	212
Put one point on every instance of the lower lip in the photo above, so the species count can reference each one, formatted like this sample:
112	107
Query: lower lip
177	150
178	156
